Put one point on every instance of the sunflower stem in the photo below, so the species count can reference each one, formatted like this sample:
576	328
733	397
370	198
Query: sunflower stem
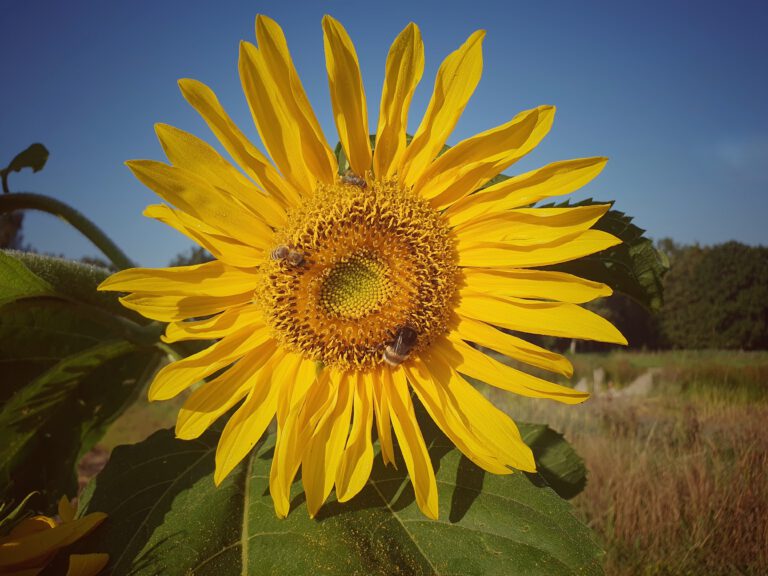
30	201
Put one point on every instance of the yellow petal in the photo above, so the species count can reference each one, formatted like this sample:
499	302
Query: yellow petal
357	460
495	430
326	446
473	363
223	248
207	279
456	80
228	322
441	404
347	95
171	308
412	446
14	551
31	526
190	153
531	226
510	255
279	131
541	284
299	374
284	465
245	154
472	162
553	179
86	564
208	402
563	320
405	65
248	423
180	375
317	155
487	336
198	198
381	382
66	510
292	437
292	433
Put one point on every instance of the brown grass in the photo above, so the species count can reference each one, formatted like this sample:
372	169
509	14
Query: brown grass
678	480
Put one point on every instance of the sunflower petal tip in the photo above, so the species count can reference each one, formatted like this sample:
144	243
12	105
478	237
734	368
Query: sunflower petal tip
186	85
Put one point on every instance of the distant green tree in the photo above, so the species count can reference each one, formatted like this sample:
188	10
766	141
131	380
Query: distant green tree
194	255
639	325
717	297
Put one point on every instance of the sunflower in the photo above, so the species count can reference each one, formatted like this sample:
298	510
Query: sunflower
32	543
339	287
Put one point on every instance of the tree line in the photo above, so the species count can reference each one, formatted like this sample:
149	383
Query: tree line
714	297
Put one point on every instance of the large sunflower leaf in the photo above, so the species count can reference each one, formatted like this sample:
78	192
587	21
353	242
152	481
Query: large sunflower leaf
70	365
167	517
53	419
17	281
634	267
556	460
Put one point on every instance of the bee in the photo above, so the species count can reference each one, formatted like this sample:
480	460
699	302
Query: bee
285	254
397	351
350	177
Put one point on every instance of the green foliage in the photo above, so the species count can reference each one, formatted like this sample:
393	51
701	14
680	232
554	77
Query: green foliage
195	255
17	281
166	516
72	361
634	267
717	297
639	325
35	157
556	460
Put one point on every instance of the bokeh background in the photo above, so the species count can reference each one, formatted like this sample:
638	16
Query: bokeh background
675	93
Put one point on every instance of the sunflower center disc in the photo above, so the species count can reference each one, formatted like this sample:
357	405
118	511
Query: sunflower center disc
356	287
373	260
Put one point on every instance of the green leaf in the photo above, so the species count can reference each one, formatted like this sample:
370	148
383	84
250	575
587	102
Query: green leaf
74	281
634	268
166	516
51	421
9	518
35	157
71	362
341	158
556	460
17	281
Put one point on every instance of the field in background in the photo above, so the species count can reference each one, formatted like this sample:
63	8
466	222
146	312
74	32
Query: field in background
676	446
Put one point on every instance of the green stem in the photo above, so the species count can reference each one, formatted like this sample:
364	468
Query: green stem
30	201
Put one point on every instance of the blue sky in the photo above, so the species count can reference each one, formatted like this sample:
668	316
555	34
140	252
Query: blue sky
674	93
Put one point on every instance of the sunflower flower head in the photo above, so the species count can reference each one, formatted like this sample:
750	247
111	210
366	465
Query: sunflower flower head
32	543
336	292
354	265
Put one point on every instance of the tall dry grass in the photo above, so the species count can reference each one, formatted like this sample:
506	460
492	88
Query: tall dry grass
678	479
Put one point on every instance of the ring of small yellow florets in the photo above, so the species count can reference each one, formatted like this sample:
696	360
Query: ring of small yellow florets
354	265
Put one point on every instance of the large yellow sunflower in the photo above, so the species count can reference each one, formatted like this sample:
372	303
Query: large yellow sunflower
332	295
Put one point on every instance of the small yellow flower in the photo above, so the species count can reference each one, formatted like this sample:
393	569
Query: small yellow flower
332	295
34	541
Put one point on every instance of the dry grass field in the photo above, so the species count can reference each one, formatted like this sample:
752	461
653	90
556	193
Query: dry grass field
676	447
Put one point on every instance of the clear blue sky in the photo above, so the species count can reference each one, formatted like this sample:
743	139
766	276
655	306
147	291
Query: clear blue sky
675	93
